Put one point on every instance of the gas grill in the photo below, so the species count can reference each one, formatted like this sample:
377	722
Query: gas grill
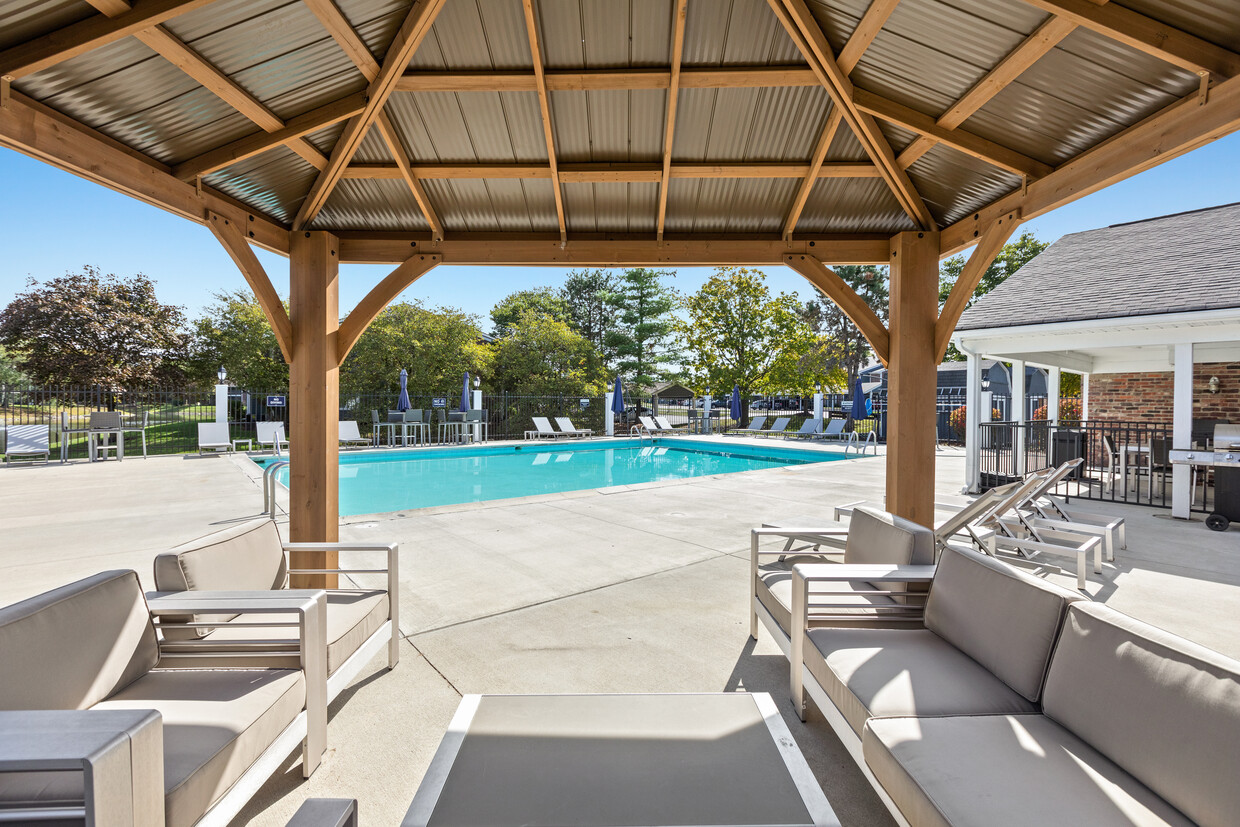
1225	460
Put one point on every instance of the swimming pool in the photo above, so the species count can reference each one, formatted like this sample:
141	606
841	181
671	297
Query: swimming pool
398	480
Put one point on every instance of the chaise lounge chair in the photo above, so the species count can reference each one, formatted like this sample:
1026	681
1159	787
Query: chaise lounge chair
834	432
755	426
664	425
213	436
569	429
810	429
350	436
650	425
29	441
777	427
271	434
543	429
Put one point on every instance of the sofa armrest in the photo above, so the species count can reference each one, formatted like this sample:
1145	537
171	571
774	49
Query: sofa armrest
392	570
310	606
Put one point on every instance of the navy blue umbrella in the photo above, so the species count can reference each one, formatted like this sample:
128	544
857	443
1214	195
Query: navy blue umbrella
465	394
858	405
736	402
617	400
402	404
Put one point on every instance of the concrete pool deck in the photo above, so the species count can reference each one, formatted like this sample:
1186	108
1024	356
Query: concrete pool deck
636	589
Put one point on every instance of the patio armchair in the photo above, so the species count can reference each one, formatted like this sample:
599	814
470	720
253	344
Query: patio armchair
250	557
271	434
213	436
31	441
543	429
755	426
569	429
103	426
350	436
93	646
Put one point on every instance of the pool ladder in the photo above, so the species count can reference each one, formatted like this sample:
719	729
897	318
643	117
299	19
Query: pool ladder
269	486
641	432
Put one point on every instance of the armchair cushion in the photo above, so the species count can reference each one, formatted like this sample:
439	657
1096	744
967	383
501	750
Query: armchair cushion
71	647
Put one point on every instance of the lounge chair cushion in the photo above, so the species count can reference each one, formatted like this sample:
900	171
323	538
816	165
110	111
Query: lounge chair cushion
1005	619
878	537
245	557
216	724
1014	770
73	646
875	672
1161	707
774	590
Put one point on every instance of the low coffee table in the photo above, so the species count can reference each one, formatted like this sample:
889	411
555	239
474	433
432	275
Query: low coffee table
618	760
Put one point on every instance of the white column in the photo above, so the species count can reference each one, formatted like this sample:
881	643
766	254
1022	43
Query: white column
221	404
708	403
1084	396
818	405
1052	395
477	406
973	422
1182	430
1019	416
609	418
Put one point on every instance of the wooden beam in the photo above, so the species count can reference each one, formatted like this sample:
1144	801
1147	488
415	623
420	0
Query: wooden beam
390	137
1178	128
1029	52
544	106
991	243
966	142
379	297
346	37
260	142
870	25
1146	34
29	127
854	307
234	243
89	34
627	173
416	24
607	250
812	174
673	93
731	77
809	39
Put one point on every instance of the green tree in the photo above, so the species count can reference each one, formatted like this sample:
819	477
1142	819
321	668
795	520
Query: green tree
542	356
737	334
10	374
542	300
645	323
1013	256
436	346
91	329
588	296
842	345
234	334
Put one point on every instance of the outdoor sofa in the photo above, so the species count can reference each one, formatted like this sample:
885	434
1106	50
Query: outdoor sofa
1020	703
92	646
251	556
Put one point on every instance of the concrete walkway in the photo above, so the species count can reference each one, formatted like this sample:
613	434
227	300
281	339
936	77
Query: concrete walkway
640	589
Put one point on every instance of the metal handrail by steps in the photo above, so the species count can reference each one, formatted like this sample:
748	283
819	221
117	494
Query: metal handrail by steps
269	486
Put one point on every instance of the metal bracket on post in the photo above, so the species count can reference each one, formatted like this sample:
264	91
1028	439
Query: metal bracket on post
6	84
1203	88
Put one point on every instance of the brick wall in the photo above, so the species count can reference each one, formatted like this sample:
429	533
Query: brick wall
1148	397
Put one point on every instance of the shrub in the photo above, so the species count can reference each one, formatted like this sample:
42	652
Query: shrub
957	419
1069	411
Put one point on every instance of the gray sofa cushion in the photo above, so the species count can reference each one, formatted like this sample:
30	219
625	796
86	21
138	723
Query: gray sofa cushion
73	646
1010	770
877	537
1005	619
1163	708
868	672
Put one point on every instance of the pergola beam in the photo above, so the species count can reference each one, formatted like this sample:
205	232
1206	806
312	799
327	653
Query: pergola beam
627	173
991	243
673	94
544	107
812	174
853	306
234	243
730	77
379	297
346	37
392	138
868	27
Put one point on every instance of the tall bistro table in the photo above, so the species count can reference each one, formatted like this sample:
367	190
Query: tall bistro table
724	759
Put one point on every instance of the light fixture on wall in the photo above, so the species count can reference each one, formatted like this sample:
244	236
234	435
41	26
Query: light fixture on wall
1214	385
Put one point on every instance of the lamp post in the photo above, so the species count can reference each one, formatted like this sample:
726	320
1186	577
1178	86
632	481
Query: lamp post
221	397
817	400
477	406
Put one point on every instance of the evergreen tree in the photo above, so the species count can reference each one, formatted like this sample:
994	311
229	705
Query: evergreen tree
641	339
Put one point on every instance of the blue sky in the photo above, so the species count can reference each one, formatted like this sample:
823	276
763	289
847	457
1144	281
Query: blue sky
53	222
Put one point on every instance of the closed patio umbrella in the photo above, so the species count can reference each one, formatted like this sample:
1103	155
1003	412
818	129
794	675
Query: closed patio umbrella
736	403
858	406
617	399
402	404
465	394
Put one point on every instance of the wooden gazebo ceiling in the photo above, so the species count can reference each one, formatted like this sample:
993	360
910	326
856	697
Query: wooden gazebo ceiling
678	120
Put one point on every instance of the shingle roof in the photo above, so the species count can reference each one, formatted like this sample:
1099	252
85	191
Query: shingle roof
1172	264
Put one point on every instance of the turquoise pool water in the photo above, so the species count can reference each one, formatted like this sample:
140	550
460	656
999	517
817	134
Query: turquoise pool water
398	480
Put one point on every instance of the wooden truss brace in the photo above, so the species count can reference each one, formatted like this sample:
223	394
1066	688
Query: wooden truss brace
673	93
414	28
379	297
724	77
239	250
812	174
853	306
868	27
621	173
544	106
993	238
392	138
346	37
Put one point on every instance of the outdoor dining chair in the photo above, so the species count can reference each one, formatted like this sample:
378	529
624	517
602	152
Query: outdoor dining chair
477	425
105	424
376	429
133	427
66	434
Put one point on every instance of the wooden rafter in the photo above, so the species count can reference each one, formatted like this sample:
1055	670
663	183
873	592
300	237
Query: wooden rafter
968	143
870	25
673	93
1032	49
730	77
812	174
89	34
234	242
346	37
1146	34
620	173
260	142
852	305
544	106
799	22
989	246
414	28
1169	133
392	138
379	297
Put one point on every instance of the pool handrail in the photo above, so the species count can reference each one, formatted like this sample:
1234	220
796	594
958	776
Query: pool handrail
269	486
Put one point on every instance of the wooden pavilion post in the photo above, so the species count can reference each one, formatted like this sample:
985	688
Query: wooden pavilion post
314	389
912	375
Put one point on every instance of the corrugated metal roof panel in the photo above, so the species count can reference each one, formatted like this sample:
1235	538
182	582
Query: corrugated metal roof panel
852	205
325	138
599	35
274	183
954	184
486	36
459	127
373	150
611	208
728	205
1214	20
846	147
474	205
27	19
371	204
608	126
742	32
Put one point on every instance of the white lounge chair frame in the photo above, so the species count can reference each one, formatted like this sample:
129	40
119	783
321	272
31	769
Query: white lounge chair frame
350	436
543	428
271	433
665	425
569	429
27	441
213	436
